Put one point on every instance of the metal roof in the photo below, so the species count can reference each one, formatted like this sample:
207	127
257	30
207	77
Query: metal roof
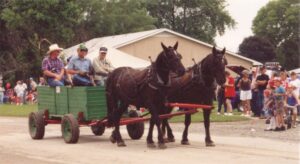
117	41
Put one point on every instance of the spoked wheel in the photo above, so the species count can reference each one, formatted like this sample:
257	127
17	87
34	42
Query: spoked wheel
70	128
136	130
36	124
98	130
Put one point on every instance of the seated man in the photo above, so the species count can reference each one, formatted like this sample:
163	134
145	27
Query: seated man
102	67
53	67
81	68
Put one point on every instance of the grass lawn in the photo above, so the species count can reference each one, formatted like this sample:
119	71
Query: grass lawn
17	111
198	117
24	110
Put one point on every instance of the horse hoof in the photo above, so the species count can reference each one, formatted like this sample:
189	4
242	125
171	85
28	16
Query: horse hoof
151	145
112	139
162	146
166	140
121	144
185	142
210	144
171	139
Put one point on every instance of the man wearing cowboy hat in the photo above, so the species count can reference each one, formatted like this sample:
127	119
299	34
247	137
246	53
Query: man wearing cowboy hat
53	67
81	68
102	67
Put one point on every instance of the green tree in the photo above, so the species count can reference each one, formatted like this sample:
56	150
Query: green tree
25	23
117	17
257	48
278	21
201	19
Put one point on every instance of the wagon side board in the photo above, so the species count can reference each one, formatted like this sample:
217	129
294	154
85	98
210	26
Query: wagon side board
90	101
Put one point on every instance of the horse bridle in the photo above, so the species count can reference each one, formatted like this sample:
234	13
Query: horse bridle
168	61
198	76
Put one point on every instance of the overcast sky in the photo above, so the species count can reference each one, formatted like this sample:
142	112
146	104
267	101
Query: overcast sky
243	12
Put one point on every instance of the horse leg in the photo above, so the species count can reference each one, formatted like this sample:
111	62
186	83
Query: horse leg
163	127
171	137
116	133
187	122
150	142
161	143
123	108
206	115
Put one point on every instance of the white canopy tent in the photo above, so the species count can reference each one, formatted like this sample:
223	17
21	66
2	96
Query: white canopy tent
117	58
297	71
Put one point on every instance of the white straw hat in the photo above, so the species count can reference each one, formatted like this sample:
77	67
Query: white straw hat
54	47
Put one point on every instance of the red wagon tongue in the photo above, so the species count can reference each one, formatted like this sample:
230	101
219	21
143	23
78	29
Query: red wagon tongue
185	105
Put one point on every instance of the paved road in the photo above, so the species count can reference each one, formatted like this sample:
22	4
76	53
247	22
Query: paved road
17	147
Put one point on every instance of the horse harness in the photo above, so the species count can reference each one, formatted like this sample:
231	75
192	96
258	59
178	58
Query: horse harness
152	80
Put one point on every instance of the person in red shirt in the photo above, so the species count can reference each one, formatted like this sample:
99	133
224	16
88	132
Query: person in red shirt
229	92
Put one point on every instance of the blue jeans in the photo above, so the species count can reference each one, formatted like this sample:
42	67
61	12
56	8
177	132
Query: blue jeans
81	81
260	102
1	97
54	83
221	101
254	103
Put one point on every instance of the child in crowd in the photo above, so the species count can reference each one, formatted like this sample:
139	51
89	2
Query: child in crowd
279	95
291	102
30	97
269	106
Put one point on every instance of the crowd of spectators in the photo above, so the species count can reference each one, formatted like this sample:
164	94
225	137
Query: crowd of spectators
274	98
24	92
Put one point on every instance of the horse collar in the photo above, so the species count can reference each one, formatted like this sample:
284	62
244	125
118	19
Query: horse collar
155	81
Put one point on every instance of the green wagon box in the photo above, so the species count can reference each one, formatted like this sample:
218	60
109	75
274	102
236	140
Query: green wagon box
46	99
61	100
89	100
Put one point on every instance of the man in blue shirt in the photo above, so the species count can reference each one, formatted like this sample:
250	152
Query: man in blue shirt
81	68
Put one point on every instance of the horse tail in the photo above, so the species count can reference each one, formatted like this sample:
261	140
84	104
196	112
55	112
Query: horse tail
110	99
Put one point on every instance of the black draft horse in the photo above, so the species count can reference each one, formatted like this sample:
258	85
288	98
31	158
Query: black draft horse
197	86
142	88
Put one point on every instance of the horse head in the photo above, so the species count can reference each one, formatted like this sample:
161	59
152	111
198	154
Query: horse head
219	63
172	59
214	65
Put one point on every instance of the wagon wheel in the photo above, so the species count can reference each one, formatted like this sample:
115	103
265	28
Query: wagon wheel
98	130
135	130
36	124
70	128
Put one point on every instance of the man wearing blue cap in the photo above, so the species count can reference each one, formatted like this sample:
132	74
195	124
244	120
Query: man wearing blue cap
81	68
